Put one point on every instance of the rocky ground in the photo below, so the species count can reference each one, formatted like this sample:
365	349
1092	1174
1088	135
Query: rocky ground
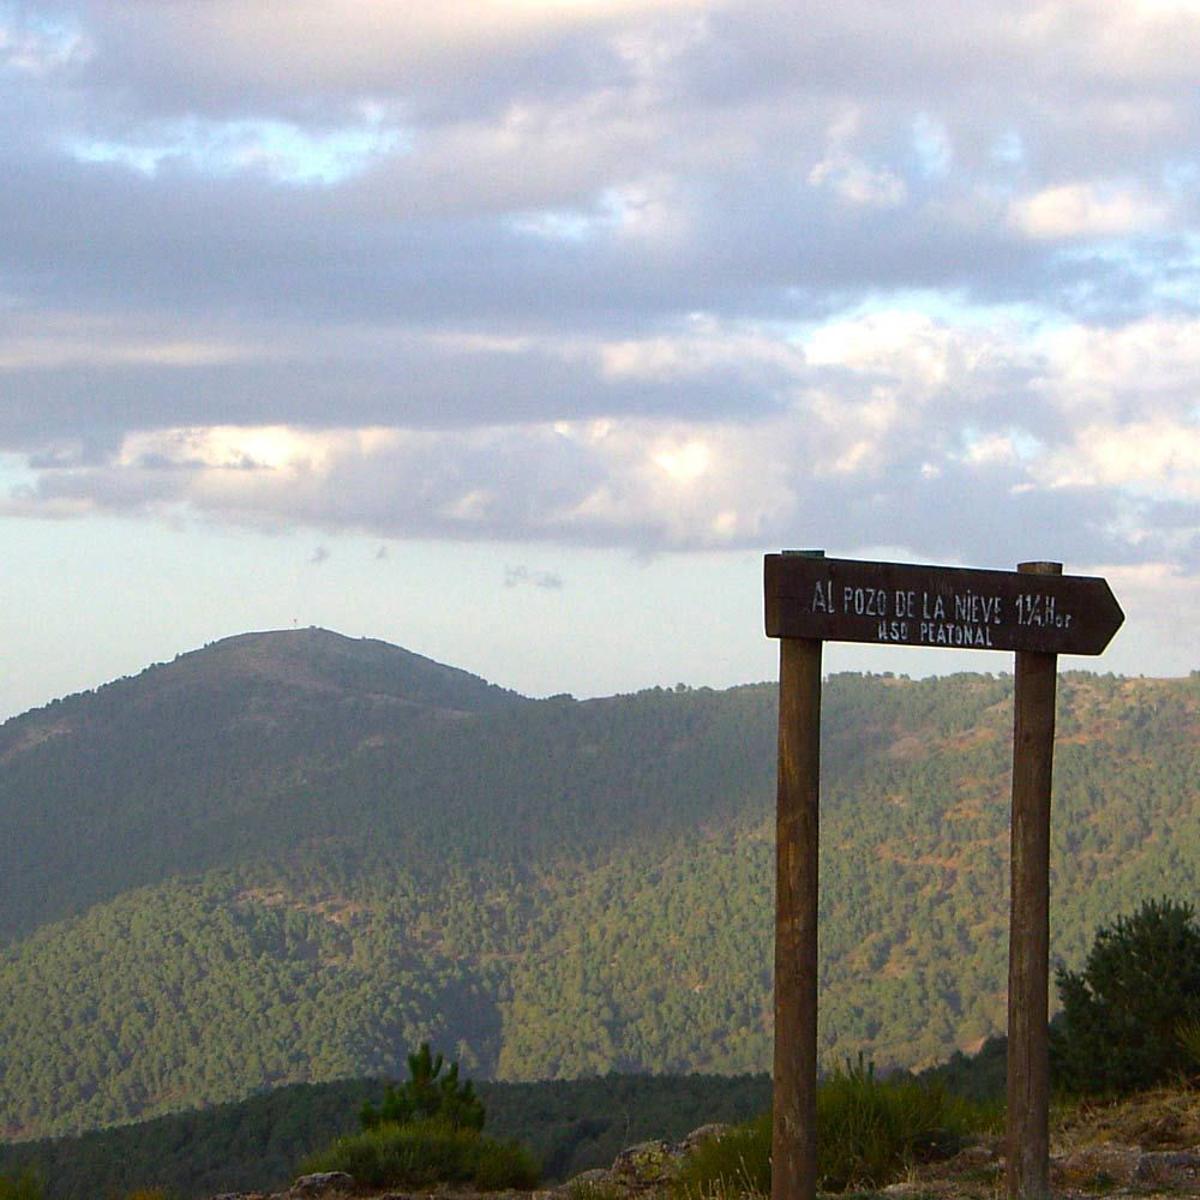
1145	1147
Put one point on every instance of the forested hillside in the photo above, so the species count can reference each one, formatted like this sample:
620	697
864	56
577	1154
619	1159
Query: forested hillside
350	860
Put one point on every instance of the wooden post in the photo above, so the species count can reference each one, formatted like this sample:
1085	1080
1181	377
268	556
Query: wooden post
794	1133
1029	924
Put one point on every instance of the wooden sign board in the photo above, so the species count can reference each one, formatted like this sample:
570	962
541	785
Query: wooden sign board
847	600
1037	612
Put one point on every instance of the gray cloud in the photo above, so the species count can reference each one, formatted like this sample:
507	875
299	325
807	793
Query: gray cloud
580	274
522	576
425	234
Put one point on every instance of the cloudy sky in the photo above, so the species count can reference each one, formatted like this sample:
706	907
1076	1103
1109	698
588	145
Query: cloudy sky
516	331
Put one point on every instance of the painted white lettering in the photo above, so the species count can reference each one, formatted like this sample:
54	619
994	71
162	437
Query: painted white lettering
949	633
865	601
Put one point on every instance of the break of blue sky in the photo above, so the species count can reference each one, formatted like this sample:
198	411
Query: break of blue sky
617	294
284	152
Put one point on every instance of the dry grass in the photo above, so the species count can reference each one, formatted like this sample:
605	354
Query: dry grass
1164	1119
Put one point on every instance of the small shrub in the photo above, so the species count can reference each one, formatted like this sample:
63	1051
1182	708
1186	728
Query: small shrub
504	1165
1189	1038
423	1153
869	1131
25	1186
736	1163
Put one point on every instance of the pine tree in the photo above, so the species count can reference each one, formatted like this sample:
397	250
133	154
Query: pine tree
1119	1030
428	1095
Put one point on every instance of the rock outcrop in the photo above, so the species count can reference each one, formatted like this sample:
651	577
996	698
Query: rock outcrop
646	1167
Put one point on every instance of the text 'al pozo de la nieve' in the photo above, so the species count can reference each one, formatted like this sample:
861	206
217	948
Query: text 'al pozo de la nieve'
936	619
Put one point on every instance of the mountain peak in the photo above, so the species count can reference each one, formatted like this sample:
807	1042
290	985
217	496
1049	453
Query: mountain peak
315	659
268	677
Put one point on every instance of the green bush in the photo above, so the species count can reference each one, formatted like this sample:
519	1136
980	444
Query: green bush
25	1186
504	1165
422	1153
739	1162
869	1131
428	1095
1122	1015
1189	1038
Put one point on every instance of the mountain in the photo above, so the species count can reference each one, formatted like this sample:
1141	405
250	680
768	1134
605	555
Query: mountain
292	856
195	763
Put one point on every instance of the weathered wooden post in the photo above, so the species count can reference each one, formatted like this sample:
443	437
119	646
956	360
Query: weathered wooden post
1035	684
1035	611
797	835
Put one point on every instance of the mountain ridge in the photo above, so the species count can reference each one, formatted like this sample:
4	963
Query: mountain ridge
197	907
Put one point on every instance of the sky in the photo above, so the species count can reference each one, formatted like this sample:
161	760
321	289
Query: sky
516	333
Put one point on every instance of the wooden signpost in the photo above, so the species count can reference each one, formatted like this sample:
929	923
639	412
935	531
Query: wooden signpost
1035	611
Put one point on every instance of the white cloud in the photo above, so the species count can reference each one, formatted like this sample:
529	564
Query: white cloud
40	46
993	448
1087	210
857	183
705	346
932	145
54	340
686	462
1158	599
359	44
1123	374
1159	458
880	421
849	176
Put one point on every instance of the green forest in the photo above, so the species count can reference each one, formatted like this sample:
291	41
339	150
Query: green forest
292	857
